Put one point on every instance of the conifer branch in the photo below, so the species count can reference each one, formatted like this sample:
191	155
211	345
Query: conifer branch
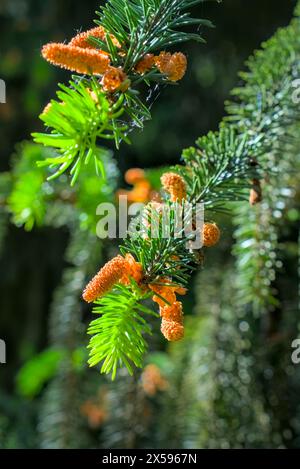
112	61
143	27
223	164
80	117
118	334
163	253
249	145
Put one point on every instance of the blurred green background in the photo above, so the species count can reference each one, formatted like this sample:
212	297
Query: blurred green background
125	413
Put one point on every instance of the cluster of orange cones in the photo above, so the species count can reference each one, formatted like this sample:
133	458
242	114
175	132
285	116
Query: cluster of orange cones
122	269
82	57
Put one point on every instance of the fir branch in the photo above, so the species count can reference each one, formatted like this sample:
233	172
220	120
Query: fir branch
118	334
143	26
32	201
27	198
257	249
248	145
220	168
82	115
267	111
88	110
163	249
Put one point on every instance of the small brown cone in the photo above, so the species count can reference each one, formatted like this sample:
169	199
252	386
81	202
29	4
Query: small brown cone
211	234
255	192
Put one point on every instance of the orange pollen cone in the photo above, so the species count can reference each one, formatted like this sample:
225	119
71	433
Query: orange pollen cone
105	279
76	59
